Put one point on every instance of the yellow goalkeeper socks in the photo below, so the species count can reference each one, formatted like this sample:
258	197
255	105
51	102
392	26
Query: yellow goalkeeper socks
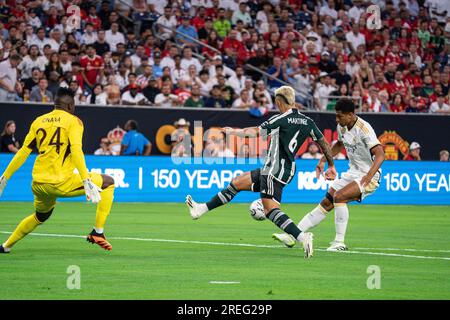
104	208
25	227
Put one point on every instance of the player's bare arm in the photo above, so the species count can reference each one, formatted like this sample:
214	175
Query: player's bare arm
330	174
250	132
378	152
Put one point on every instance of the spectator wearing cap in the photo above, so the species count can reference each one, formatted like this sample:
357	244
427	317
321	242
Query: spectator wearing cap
134	143
222	25
218	64
113	36
181	139
166	99
132	96
151	90
414	152
167	20
186	32
33	59
242	14
444	156
195	100
9	86
156	64
40	93
325	64
439	106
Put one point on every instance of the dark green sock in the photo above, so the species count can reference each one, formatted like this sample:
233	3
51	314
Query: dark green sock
223	197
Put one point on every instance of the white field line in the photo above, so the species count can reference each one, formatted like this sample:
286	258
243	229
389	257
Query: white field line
232	245
224	282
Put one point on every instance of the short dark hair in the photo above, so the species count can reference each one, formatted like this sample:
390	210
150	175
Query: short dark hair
345	106
133	124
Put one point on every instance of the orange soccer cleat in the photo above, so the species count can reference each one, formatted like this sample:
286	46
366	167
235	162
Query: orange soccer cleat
99	238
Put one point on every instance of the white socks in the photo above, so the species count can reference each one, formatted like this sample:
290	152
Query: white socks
341	220
312	219
99	230
203	208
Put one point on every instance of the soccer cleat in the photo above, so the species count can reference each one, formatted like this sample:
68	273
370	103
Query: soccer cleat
3	250
194	207
285	238
307	241
337	246
99	239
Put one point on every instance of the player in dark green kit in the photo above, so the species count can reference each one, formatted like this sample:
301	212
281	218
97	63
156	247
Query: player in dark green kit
288	130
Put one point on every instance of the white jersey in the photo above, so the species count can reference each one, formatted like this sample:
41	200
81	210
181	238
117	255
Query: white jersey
358	141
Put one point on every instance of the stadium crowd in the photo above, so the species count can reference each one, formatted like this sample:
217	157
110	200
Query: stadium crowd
204	53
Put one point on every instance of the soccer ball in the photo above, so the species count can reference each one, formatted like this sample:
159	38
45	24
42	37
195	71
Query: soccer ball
257	210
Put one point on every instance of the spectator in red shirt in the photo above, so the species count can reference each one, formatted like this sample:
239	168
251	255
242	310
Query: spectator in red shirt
93	19
91	65
397	105
199	20
284	49
398	85
231	44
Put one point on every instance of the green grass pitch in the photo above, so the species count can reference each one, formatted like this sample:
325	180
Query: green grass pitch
160	253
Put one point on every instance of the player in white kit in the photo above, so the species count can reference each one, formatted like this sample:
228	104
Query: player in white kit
365	155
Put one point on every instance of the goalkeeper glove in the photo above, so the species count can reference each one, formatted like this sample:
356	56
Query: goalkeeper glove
2	184
92	191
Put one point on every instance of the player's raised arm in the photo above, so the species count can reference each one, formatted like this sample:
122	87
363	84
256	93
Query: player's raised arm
19	159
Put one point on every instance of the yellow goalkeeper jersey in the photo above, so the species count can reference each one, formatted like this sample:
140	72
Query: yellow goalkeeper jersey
57	136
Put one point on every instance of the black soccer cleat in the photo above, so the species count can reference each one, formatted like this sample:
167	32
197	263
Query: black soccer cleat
2	250
99	239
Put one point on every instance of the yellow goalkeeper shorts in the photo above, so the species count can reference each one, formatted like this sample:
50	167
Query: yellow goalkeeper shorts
45	194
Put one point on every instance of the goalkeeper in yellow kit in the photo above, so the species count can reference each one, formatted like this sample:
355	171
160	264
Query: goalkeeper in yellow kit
57	136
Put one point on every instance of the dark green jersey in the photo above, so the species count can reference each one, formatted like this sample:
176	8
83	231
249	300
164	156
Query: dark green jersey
287	133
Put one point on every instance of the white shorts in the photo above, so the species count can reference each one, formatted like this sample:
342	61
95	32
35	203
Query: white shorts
348	177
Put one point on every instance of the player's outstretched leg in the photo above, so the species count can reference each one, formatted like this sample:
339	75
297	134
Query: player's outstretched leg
97	235
282	221
240	183
26	226
310	220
